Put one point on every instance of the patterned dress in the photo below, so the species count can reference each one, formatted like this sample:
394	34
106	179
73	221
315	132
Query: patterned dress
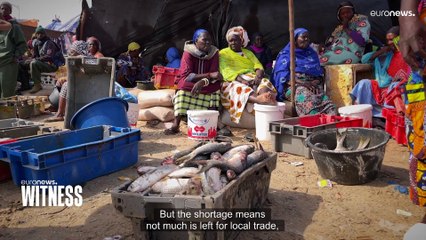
343	48
235	95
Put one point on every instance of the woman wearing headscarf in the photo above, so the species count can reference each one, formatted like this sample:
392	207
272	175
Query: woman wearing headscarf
389	69
262	52
243	74
310	97
173	58
131	67
199	80
347	42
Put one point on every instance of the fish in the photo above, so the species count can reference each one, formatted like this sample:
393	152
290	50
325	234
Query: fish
224	179
187	151
340	138
207	189
187	172
145	181
194	186
170	185
213	179
363	142
215	163
202	157
216	156
247	148
238	162
145	169
205	149
256	156
230	174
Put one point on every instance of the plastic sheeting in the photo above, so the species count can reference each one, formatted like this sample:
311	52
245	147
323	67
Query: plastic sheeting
158	25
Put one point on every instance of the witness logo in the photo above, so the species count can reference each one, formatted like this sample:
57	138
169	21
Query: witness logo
387	13
51	195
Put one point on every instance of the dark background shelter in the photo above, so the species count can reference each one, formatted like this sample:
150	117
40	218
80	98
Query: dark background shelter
157	25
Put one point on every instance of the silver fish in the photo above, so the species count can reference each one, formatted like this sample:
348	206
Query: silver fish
187	172
145	169
247	148
170	185
225	166
205	149
341	137
256	156
207	189
224	179
230	174
213	179
187	151
145	181
238	162
194	186
216	156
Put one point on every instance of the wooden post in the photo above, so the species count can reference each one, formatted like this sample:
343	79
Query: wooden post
292	54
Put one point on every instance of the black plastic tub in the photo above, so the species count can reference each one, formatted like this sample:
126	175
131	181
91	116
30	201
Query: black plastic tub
349	167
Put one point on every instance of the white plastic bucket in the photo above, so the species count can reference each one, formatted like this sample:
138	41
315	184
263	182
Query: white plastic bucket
202	124
132	114
364	111
264	114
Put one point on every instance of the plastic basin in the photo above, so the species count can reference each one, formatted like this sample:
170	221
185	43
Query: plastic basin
349	167
106	111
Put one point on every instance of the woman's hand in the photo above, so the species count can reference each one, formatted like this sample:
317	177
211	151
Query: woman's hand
259	76
413	35
216	76
196	89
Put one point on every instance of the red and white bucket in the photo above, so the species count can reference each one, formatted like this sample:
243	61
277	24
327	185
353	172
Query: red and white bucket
202	124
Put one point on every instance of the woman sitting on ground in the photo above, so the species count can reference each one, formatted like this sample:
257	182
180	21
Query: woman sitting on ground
389	69
131	67
347	42
309	96
199	80
244	82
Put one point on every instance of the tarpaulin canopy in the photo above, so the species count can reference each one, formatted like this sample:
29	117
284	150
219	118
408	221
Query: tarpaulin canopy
69	26
157	25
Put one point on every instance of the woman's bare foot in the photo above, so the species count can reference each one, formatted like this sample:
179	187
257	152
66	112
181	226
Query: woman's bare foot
266	98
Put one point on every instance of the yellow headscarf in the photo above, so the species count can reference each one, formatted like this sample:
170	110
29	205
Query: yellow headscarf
133	46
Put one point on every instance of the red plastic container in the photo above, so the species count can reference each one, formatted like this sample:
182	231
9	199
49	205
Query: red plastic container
395	125
321	119
164	77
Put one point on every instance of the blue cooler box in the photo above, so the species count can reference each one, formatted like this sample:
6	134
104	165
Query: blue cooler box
72	157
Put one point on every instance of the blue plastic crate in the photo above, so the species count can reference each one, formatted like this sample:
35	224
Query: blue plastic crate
72	157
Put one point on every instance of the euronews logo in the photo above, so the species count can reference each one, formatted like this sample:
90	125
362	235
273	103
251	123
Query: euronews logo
41	193
391	13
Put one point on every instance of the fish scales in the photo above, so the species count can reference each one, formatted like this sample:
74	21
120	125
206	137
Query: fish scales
145	181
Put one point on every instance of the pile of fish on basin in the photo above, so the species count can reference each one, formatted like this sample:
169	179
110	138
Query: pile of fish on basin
201	170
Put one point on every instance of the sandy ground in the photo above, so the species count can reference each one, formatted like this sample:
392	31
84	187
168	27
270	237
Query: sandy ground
342	212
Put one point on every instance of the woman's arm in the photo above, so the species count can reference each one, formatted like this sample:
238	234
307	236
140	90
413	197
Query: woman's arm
412	33
359	31
5	25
